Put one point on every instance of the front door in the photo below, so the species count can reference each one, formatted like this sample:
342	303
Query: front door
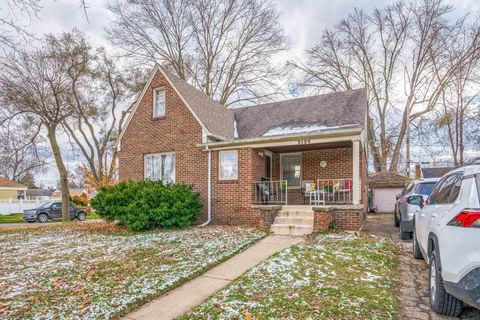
268	166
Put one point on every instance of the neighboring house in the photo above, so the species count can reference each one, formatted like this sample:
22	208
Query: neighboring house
41	194
73	192
435	172
384	187
10	189
243	161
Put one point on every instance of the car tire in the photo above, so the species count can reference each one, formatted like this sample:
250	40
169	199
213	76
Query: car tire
81	216
42	218
440	301
396	221
403	234
417	253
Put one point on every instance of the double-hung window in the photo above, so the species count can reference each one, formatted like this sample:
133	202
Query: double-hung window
158	102
160	166
228	168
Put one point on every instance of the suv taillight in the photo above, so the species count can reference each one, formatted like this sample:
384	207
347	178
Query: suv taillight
468	218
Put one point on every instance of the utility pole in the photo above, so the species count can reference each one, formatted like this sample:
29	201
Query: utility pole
407	141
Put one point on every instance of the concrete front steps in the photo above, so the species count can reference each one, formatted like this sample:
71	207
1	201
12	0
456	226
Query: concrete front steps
294	221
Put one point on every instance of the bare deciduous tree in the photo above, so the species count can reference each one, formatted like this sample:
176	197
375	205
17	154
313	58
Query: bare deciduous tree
20	157
37	83
223	47
102	99
399	54
458	112
15	16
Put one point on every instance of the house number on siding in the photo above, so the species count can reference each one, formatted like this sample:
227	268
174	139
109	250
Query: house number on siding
305	141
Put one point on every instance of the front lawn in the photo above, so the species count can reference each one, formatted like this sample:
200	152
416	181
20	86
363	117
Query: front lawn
328	277
99	271
11	218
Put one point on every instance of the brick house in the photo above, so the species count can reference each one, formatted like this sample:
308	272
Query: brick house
286	163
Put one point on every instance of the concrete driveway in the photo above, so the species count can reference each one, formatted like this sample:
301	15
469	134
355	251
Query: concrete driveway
412	274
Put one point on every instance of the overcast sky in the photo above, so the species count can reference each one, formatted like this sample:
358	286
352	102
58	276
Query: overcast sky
302	20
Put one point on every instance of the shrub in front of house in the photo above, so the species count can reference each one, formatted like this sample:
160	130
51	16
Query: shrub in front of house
145	205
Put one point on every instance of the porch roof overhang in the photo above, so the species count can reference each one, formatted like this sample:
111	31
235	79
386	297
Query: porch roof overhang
305	139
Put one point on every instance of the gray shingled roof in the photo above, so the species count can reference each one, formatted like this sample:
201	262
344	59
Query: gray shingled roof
217	118
322	112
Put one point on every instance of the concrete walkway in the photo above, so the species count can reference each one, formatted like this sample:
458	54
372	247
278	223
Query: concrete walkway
184	298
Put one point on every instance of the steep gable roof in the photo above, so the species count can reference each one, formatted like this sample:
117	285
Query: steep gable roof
316	113
217	119
211	115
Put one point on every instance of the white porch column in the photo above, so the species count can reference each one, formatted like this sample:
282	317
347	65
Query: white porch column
356	172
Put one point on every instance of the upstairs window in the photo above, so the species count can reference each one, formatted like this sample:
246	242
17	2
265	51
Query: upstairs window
159	102
228	165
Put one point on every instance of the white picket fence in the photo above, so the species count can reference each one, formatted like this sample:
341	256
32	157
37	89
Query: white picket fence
17	206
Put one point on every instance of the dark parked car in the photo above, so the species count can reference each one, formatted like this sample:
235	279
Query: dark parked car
51	210
405	210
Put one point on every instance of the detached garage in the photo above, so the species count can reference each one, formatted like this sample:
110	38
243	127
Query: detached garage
384	186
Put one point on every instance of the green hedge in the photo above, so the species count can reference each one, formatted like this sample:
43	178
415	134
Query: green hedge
148	204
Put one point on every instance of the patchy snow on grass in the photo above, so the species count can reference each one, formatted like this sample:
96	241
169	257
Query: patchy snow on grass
332	276
72	273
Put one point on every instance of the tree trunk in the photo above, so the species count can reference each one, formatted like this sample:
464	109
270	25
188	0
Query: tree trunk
52	138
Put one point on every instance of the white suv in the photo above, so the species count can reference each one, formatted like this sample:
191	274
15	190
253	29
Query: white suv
447	235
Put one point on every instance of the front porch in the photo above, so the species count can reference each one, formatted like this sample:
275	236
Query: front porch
310	186
309	174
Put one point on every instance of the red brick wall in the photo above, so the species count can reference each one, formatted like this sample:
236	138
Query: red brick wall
348	219
232	199
177	131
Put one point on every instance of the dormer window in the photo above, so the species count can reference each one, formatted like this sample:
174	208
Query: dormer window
159	102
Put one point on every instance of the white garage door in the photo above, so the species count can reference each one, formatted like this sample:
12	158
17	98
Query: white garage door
384	199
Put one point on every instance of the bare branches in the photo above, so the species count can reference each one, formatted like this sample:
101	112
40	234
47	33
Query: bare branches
39	84
102	99
20	157
404	45
223	47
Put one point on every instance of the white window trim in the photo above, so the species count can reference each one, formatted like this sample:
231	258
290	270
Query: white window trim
159	154
220	165
155	102
301	168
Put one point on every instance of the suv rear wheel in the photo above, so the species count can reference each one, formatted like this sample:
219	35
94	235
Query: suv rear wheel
440	300
42	218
